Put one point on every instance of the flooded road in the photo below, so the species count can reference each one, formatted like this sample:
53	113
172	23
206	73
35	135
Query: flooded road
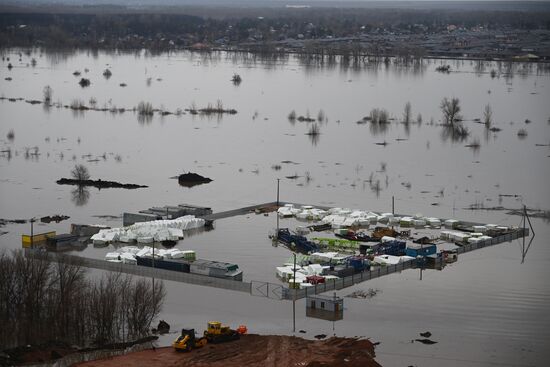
488	308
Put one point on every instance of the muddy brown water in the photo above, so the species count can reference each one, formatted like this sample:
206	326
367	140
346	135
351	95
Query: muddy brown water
486	309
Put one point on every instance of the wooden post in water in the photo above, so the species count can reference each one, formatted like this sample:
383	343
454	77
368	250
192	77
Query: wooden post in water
393	205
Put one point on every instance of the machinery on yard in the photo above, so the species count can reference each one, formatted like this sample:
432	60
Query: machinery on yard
218	333
187	341
214	333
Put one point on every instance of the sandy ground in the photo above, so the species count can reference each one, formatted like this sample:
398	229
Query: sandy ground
256	350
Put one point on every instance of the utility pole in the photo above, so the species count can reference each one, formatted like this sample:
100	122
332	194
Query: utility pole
294	299
277	214
153	273
523	234
392	207
32	233
278	181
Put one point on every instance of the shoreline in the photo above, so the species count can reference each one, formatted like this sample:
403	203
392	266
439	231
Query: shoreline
326	53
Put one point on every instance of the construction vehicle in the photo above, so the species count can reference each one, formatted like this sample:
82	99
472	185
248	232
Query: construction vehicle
187	341
380	232
218	333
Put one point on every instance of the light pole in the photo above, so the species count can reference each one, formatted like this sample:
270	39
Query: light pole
277	214
153	273
294	298
32	220
278	181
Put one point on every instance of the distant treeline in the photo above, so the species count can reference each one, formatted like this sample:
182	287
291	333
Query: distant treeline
120	27
42	301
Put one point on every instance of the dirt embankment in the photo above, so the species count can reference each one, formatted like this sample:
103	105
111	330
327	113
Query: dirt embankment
256	350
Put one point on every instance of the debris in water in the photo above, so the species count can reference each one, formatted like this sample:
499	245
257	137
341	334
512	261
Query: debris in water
364	294
84	82
191	179
289	162
426	341
163	327
320	336
427	334
54	218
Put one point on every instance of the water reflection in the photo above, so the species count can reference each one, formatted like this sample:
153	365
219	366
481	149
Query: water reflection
314	134
378	128
80	195
144	119
456	132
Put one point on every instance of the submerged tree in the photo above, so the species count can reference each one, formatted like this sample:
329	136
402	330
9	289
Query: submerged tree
488	116
80	172
407	113
450	110
48	94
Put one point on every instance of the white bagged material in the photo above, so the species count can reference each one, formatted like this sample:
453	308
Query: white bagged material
434	222
131	249
481	229
394	220
387	259
145	239
314	269
451	223
112	256
128	258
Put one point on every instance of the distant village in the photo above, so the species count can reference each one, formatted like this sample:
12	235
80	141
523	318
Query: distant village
319	33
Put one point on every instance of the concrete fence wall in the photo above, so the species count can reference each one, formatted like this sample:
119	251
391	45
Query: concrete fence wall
150	272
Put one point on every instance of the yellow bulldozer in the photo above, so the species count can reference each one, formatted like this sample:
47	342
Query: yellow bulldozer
187	341
218	333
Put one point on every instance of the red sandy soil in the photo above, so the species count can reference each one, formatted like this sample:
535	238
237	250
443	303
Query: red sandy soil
256	350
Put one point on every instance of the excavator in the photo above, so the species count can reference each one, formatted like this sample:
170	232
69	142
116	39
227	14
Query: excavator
187	341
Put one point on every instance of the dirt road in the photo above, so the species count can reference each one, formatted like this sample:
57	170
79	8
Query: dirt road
256	350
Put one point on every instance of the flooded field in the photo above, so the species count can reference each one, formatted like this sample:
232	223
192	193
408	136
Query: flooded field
488	308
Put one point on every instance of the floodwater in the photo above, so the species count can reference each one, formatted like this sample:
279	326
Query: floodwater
489	308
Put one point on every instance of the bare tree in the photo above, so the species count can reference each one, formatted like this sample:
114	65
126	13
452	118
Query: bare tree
488	116
80	172
321	116
42	300
407	113
450	110
292	116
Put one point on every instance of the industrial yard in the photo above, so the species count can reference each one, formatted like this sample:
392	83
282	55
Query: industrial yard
337	252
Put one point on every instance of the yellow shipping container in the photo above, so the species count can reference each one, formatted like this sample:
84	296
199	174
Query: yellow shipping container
37	239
